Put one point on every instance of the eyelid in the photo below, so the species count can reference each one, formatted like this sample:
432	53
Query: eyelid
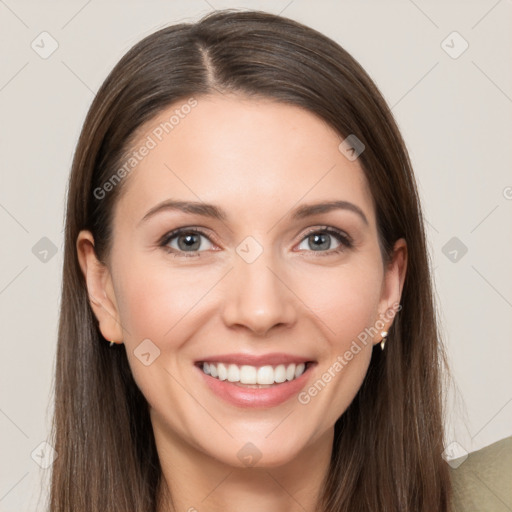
167	237
347	241
328	229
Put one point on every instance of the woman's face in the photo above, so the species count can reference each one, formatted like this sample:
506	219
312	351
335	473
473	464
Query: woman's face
269	277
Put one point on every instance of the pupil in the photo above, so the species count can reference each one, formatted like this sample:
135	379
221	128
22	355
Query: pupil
323	245
189	242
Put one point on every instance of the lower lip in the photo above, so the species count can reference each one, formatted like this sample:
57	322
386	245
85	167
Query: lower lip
256	397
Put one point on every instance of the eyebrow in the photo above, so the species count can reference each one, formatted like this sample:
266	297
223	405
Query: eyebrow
212	211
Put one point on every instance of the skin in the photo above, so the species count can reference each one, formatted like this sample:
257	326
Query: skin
258	160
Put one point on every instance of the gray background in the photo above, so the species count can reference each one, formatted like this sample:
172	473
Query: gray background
454	112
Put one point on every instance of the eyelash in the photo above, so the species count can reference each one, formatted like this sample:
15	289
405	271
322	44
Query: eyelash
345	241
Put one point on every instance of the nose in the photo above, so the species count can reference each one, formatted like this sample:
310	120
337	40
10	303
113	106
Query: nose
258	297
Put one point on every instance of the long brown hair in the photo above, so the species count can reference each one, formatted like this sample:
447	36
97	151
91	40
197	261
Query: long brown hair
387	446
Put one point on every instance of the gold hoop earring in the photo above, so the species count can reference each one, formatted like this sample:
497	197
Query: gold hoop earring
383	342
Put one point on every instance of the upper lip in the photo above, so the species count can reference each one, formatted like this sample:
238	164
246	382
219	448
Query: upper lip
256	360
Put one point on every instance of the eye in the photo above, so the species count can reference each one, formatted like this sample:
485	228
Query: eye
185	240
320	240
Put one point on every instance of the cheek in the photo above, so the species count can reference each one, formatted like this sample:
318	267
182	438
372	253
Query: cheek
156	302
163	305
344	300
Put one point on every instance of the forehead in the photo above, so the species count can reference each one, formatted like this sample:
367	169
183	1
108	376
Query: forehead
241	153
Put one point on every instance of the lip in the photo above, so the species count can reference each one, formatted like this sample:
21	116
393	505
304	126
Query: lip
256	397
272	359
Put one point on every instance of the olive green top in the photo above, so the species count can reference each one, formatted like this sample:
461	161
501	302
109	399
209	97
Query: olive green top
483	481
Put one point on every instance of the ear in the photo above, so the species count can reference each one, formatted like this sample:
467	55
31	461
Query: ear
99	288
392	285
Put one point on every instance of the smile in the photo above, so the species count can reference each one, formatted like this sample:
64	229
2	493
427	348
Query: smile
250	386
251	375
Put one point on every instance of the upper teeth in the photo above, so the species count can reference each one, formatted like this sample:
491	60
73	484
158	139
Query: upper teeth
246	374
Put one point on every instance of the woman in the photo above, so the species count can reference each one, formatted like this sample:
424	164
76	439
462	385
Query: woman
247	317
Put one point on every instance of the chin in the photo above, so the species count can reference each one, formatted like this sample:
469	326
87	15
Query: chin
259	451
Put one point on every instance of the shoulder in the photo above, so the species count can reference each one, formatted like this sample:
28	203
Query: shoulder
482	481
